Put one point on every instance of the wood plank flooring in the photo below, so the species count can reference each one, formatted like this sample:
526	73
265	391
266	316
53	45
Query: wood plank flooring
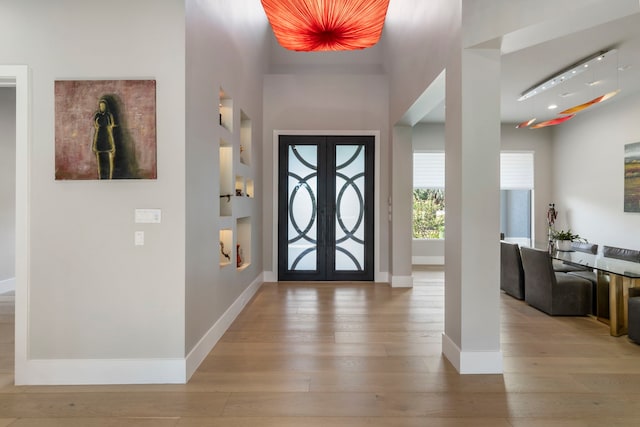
353	355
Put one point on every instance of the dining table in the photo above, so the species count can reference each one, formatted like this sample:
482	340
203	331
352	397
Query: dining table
614	278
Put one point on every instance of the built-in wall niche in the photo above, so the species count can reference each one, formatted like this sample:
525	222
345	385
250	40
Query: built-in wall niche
245	138
249	187
226	110
243	245
240	190
227	190
226	247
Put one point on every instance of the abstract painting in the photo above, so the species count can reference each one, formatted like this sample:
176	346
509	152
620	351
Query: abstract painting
632	177
105	129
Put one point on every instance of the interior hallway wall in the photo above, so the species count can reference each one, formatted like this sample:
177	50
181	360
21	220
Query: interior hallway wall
93	295
227	48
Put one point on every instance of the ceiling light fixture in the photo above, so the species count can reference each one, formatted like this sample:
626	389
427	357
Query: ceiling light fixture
325	25
594	101
526	123
565	74
552	122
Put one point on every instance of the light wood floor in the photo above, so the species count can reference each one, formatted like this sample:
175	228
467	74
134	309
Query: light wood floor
359	355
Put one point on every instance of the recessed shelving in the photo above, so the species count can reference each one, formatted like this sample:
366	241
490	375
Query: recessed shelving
240	190
226	247
225	110
249	188
243	245
226	185
245	138
237	185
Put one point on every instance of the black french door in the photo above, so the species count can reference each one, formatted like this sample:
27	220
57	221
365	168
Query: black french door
325	208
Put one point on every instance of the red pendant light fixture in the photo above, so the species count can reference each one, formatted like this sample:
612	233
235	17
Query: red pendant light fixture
322	25
594	101
553	122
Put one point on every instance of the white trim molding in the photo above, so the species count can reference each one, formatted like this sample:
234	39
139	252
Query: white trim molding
401	281
103	371
427	260
472	362
20	75
213	335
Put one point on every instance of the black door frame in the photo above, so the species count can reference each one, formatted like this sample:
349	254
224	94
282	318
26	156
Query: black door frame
326	208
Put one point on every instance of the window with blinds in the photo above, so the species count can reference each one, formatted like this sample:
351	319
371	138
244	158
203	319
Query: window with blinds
516	192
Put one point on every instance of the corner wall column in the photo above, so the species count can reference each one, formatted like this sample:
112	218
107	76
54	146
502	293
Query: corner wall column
471	340
402	206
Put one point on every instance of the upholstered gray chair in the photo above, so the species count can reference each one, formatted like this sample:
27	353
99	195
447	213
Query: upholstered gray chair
603	285
566	267
587	273
621	253
551	292
634	314
511	271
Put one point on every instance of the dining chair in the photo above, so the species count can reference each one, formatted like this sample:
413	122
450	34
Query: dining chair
511	271
587	273
621	253
633	310
552	292
566	267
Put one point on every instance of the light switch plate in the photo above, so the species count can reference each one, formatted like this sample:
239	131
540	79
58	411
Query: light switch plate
139	238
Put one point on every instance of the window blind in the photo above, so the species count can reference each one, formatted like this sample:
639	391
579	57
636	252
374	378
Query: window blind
516	171
428	170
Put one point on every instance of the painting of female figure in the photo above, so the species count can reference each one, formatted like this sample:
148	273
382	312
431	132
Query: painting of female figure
105	129
103	143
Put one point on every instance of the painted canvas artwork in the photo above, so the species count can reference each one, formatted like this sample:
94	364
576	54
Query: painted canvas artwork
632	177
105	129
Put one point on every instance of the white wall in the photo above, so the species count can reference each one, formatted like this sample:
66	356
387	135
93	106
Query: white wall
588	164
430	137
7	183
227	48
92	293
417	42
340	102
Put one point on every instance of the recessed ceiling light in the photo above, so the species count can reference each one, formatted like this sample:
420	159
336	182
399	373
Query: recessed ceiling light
552	107
565	94
593	83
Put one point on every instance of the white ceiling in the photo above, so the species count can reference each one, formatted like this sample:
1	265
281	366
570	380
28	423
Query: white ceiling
525	68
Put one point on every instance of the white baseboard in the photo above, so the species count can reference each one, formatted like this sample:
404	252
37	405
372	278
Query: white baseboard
381	277
131	371
401	281
101	371
211	338
471	362
270	276
427	260
7	285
